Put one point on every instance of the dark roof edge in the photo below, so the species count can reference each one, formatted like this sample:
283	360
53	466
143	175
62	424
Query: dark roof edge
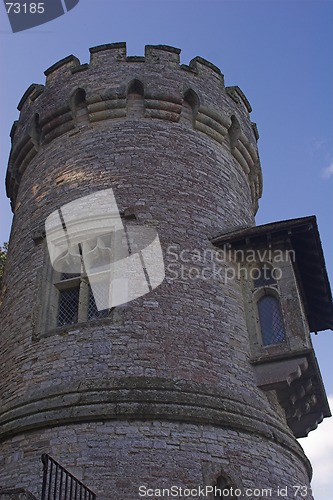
292	229
263	229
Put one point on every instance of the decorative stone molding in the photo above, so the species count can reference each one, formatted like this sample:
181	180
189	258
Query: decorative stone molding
68	75
141	398
297	382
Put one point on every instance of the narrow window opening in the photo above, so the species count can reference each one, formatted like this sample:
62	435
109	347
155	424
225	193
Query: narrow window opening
135	100
79	108
36	131
223	490
190	107
76	300
234	131
93	312
68	306
271	320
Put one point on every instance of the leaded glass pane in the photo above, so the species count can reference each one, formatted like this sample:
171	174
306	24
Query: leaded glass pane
93	312
271	321
68	276
68	306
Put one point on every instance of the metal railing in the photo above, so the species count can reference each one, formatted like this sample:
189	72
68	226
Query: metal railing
59	484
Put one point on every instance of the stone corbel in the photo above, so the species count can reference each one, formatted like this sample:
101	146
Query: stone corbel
279	374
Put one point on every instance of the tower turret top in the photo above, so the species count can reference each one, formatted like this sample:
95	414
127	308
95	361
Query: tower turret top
102	86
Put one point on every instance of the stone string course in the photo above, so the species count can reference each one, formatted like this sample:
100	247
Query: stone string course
163	99
154	454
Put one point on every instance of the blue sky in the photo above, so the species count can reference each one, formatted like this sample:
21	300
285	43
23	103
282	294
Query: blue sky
279	52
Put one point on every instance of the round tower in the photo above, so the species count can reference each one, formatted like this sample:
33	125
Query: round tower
161	390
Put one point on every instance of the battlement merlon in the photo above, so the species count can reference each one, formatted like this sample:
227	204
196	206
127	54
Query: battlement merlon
48	111
107	62
111	54
108	68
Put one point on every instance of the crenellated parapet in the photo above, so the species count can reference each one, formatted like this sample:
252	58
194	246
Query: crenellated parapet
136	341
79	95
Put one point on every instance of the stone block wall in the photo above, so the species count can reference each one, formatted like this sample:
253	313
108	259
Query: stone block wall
163	391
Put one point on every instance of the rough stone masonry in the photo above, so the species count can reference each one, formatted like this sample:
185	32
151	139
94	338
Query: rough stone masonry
163	390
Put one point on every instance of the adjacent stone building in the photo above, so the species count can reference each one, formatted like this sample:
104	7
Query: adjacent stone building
208	379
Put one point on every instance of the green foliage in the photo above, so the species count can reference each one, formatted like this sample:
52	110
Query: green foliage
3	257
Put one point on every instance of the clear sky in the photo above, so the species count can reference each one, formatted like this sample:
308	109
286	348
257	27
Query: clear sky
281	55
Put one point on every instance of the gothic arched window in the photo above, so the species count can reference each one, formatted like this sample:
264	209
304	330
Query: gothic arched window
268	304
79	107
271	320
223	490
190	106
135	99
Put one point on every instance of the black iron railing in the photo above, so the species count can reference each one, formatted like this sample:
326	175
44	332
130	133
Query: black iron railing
59	484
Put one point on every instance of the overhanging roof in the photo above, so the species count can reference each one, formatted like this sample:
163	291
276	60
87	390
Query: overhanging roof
303	237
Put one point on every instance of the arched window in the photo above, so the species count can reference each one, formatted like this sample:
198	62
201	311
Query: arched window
79	107
35	131
270	317
190	107
135	99
271	320
223	490
234	131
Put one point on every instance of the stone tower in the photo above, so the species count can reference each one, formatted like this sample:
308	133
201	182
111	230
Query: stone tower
205	380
